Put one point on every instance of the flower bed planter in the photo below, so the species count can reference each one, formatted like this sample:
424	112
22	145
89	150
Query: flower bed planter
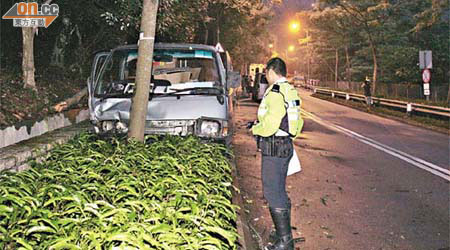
173	193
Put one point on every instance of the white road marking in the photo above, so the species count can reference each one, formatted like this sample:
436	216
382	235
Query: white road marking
427	166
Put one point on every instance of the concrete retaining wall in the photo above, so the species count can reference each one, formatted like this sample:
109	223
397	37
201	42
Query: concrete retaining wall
15	157
11	135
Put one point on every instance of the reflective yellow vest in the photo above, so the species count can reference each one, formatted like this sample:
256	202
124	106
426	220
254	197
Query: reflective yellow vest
279	110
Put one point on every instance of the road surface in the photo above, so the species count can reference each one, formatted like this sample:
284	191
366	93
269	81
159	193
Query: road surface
367	182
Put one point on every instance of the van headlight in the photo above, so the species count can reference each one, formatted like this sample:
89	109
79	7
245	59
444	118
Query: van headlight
121	127
113	126
209	128
107	126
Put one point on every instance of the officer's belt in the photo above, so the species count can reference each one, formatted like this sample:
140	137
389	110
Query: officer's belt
279	146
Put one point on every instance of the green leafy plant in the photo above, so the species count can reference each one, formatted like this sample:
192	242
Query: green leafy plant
172	193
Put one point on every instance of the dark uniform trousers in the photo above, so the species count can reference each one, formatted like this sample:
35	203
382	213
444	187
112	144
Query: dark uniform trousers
273	173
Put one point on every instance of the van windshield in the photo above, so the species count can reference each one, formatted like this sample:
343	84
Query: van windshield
171	67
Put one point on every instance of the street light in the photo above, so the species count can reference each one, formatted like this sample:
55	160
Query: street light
271	46
294	26
290	48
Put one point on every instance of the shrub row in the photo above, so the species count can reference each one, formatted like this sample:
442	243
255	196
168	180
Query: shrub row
91	193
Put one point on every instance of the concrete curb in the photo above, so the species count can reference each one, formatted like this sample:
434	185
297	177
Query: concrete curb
16	157
245	236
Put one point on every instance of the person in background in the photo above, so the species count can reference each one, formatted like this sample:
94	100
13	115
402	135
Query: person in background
245	85
367	91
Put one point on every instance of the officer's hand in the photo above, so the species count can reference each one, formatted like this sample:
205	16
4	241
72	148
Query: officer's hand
250	124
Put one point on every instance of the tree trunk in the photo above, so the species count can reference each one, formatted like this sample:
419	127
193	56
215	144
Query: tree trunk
206	35
218	19
375	63
448	94
336	69
28	68
70	101
28	58
375	69
347	66
139	103
218	33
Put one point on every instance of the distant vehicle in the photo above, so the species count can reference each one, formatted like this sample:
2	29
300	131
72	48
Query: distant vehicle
313	82
298	80
260	86
188	96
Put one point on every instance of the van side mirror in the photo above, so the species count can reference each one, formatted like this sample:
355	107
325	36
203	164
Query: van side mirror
233	79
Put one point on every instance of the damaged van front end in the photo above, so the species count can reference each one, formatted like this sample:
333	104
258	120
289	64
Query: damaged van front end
204	117
188	93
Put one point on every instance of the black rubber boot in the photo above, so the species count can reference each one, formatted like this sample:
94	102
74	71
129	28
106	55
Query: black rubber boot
281	219
273	236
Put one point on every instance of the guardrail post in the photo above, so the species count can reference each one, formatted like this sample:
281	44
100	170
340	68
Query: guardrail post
332	94
315	90
347	97
409	109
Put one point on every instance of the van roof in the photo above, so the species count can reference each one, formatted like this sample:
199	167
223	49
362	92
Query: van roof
172	46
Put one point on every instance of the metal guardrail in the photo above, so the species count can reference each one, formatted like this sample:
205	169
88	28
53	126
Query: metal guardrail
409	107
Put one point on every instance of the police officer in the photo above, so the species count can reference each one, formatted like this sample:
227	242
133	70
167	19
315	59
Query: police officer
279	122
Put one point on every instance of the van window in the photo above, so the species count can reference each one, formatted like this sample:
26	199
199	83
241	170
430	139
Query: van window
171	66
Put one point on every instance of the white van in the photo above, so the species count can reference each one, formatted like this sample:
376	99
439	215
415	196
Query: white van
188	93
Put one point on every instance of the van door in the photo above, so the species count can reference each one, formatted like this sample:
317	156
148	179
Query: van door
99	60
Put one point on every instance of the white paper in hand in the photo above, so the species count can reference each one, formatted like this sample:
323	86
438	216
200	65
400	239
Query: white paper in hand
294	165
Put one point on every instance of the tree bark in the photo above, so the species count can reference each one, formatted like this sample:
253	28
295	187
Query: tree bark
218	20
347	66
28	58
139	105
28	68
336	69
448	94
375	63
375	69
70	101
206	35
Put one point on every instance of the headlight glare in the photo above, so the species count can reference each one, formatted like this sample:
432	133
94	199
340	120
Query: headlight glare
209	128
121	127
107	125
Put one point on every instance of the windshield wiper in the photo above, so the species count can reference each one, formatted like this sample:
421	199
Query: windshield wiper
196	91
115	95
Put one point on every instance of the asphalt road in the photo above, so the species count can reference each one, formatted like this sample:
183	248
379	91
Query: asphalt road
367	182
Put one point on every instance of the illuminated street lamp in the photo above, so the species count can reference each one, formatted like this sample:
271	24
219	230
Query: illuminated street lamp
290	48
271	46
294	26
